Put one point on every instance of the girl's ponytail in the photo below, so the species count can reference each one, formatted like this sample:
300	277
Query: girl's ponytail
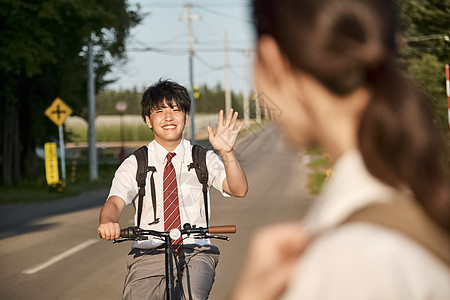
400	144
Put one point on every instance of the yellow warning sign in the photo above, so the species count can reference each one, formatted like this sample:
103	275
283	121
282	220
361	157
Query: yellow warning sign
58	112
51	163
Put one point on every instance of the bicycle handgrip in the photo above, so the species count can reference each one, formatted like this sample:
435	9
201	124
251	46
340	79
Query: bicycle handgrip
128	233
222	229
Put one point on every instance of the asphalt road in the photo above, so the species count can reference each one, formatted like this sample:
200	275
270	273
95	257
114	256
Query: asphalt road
51	250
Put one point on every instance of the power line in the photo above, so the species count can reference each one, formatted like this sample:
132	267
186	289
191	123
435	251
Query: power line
207	64
211	67
220	14
183	51
177	41
169	41
160	51
147	48
217	42
205	3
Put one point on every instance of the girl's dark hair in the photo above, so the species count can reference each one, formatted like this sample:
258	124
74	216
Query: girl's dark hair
347	44
163	92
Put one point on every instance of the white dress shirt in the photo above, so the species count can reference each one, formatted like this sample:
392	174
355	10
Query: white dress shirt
190	195
362	260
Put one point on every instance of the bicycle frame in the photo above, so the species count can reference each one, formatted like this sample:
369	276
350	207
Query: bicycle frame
135	234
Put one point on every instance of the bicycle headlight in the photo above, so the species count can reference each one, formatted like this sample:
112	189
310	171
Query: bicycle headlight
175	233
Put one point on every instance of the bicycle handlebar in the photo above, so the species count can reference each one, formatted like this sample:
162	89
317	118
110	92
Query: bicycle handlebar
187	229
222	229
135	233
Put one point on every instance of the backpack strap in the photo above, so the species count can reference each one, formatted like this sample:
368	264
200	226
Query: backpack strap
199	164
141	176
408	218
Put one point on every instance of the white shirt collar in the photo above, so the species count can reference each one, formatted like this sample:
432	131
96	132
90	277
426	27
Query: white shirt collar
350	188
161	152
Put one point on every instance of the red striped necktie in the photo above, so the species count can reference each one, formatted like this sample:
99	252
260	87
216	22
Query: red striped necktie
171	207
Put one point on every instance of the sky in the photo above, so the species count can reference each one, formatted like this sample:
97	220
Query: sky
163	35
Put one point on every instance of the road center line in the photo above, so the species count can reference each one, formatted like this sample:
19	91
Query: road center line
61	256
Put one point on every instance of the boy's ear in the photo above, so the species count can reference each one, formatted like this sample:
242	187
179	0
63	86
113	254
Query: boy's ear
187	118
148	122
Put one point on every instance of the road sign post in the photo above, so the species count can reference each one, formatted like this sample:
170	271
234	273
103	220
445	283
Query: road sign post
58	112
62	149
121	107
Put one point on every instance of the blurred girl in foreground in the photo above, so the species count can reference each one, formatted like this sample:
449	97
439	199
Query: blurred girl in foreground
329	66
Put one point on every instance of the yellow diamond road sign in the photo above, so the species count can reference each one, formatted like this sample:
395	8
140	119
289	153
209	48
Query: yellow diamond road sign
58	112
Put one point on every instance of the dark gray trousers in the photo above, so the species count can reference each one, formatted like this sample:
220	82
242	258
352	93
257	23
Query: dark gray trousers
146	273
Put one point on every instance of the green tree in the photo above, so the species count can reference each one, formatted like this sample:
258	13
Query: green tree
425	49
212	100
42	46
428	71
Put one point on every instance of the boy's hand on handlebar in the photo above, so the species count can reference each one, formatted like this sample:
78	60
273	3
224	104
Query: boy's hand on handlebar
109	231
271	258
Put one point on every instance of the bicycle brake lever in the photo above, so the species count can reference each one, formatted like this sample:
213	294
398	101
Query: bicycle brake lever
120	240
219	237
207	236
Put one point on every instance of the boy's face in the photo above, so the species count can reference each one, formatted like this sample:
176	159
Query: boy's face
167	124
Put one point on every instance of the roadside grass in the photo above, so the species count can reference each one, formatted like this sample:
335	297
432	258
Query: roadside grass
320	167
37	190
316	182
108	129
253	128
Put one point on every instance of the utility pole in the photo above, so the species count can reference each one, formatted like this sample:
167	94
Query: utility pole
257	108
92	138
246	105
227	76
62	151
245	87
189	17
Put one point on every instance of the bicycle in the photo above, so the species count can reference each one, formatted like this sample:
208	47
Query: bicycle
137	234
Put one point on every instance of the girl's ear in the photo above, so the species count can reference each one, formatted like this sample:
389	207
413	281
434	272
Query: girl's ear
270	55
148	121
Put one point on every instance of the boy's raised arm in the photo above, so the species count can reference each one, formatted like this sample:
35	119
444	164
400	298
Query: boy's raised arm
223	141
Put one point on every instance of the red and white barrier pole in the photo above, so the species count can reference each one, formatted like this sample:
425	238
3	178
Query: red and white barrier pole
447	82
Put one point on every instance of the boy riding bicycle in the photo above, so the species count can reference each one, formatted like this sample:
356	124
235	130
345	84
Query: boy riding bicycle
179	197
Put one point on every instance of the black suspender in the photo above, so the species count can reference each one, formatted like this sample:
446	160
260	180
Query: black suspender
141	176
199	163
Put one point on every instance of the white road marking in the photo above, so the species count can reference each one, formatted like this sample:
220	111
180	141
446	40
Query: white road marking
61	256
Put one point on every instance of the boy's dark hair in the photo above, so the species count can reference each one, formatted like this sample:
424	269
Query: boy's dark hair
163	92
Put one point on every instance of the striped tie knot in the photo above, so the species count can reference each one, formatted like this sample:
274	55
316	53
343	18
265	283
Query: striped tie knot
169	156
